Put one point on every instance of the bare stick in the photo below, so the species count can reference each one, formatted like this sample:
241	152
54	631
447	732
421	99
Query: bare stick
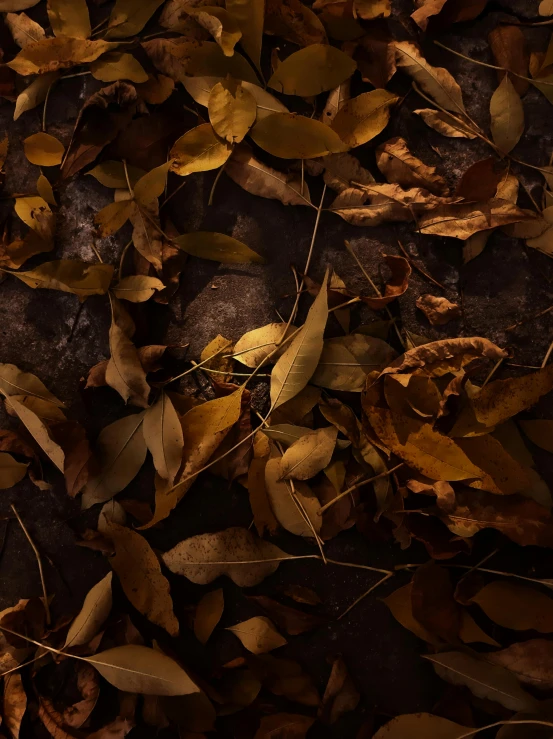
39	563
367	592
358	485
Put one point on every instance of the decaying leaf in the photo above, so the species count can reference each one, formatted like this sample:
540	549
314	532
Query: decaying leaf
347	360
397	164
128	17
124	371
294	726
438	310
258	635
445	124
530	661
414	725
51	54
69	18
294	505
516	606
163	436
254	346
462	220
235	552
11	471
199	150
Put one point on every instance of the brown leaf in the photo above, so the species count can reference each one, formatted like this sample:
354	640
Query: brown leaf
72	438
340	695
51	54
480	180
263	515
530	661
304	595
516	606
139	572
445	124
288	619
340	172
508	47
14	703
124	371
438	310
433	604
375	54
398	165
397	284
461	220
208	615
425	10
438	358
100	120
294	22
285	726
258	635
149	357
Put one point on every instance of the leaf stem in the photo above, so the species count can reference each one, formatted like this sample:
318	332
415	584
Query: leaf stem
39	563
367	592
358	485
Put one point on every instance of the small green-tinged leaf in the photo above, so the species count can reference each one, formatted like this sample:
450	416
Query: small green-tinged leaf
232	110
310	71
70	276
199	150
11	471
292	136
117	65
43	149
362	118
218	247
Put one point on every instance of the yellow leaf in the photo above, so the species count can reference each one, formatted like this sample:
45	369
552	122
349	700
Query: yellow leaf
208	615
120	451
220	24
136	669
444	124
234	552
112	174
507	116
137	288
310	71
310	454
15	382
151	185
51	54
362	118
347	360
34	94
296	366
24	30
436	82
70	276
113	217
540	432
44	189
292	136
254	346
296	507
139	573
232	110
199	150
11	471
462	220
218	247
418	725
95	610
399	165
163	435
15	703
249	15
200	88
69	18
39	431
258	635
129	17
118	66
43	149
371	9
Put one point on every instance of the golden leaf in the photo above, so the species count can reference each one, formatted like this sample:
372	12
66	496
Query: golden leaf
232	110
218	247
312	70
292	136
199	150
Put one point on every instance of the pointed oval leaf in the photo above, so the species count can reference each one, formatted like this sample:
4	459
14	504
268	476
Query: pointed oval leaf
220	24
310	71
129	17
309	455
292	136
418	725
254	346
14	381
258	635
507	116
95	610
249	15
199	150
347	360
163	436
117	65
296	508
232	110
11	471
137	288
70	276
516	606
39	431
51	54
69	18
362	118
218	247
208	615
43	149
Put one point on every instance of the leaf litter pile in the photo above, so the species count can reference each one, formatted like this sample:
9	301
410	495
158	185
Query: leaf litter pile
317	423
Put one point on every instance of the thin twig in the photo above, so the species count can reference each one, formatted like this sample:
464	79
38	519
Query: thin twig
215	181
547	355
39	563
530	318
419	269
544	583
493	371
367	592
350	490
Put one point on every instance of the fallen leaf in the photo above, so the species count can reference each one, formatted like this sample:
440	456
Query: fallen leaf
425	10
375	55
249	15
310	71
139	572
340	695
415	725
293	21
129	17
482	679
14	703
540	433
371	9
208	614
462	220
296	507
341	171
199	150
137	288
38	430
156	89
163	436
285	725
397	164
232	110
137	669
15	5
516	606
397	284
291	136
530	661
217	247
14	381
509	50
124	372
234	552
309	454
51	54
347	360
296	366
438	310
258	635
11	471
433	604
255	346
220	24
362	118
117	65
24	30
70	276
34	94
69	18
445	124
335	100
436	82
507	116
288	619
259	179
502	399
95	610
200	88
120	450
301	594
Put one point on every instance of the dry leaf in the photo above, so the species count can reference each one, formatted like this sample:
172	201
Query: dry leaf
398	165
293	21
371	9
14	703
436	82
69	18
509	50
462	220
309	71
340	695
309	454
139	573
416	725
117	65
38	430
34	94
69	276
516	606
396	285
438	310
235	552
291	136
507	116
163	436
24	30
347	360
425	10
199	150
51	54
288	619
217	247
254	346
11	471
208	615
259	179
530	661
249	15
258	635
220	24
120	451
363	117
295	507
129	17
445	124
95	610
137	288
232	110
124	372
285	725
